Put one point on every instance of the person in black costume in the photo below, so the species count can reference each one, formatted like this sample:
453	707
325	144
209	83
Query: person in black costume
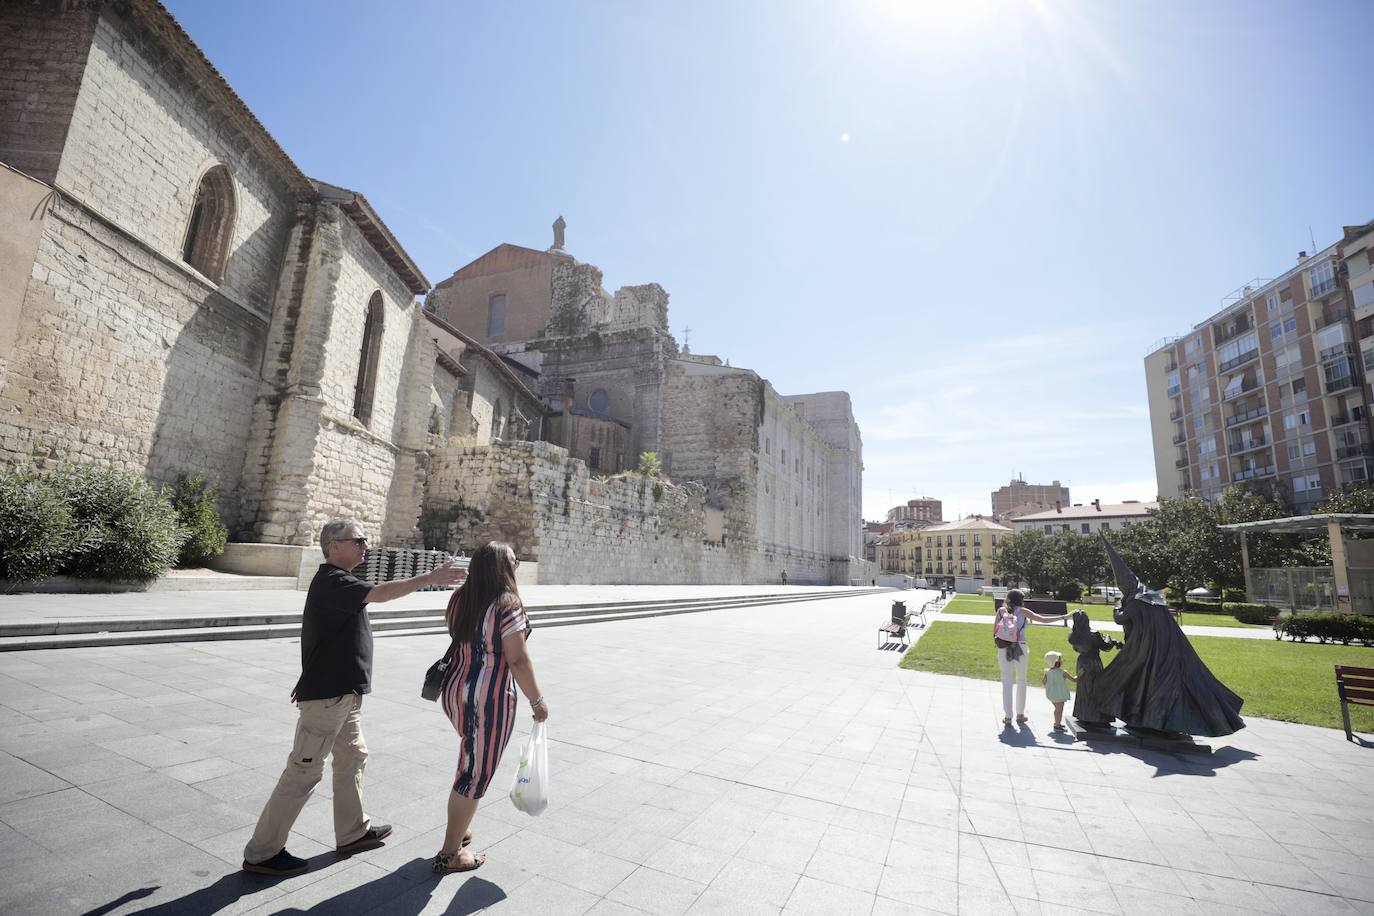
1157	681
1089	644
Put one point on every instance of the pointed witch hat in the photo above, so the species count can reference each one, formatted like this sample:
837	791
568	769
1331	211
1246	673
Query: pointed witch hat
1125	579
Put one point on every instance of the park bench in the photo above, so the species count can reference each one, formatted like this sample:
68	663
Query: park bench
898	625
1355	685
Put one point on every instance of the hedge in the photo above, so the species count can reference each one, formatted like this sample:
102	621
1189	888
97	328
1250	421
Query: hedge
1327	628
194	501
87	521
1253	613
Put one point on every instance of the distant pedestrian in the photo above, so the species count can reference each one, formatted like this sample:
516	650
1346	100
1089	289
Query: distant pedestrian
336	670
1056	683
1009	631
488	622
784	577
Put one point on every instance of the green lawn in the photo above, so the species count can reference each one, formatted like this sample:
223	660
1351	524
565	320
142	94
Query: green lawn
978	604
1293	682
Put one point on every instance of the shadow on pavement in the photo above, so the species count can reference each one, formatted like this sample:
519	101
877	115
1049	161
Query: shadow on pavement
404	892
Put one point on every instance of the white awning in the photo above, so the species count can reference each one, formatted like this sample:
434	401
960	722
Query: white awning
1233	385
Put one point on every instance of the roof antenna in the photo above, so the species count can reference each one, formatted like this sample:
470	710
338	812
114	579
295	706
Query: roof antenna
1312	238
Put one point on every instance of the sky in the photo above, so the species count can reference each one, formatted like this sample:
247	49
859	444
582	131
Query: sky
976	217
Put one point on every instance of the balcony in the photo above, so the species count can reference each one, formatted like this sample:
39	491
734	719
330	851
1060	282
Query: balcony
1243	445
1253	413
1253	473
1240	360
1356	415
1240	326
1180	438
1344	348
1324	288
1181	462
1176	413
1173	391
1244	389
1360	450
1331	316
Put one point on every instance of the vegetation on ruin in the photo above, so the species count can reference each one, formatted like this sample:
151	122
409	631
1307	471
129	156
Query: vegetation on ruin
1293	682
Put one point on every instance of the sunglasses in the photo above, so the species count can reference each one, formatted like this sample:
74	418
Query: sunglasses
361	542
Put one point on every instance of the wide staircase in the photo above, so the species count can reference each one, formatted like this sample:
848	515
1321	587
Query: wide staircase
123	631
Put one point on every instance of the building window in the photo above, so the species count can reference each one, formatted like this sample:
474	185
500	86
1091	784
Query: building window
496	420
594	459
1049	529
994	540
496	315
977	539
212	223
1322	278
600	401
963	540
1107	526
949	540
1087	528
366	386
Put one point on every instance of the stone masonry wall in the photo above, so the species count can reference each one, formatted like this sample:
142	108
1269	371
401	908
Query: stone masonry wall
141	138
545	504
126	358
43	49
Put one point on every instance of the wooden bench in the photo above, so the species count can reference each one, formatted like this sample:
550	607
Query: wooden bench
1354	685
897	626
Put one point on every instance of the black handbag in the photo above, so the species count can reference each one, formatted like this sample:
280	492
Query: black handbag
434	677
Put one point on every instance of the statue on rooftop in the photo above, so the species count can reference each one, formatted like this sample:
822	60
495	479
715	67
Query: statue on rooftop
1157	681
558	226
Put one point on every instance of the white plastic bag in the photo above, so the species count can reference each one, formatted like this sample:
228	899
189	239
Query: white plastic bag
530	790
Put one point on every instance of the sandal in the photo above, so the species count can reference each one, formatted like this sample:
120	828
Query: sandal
467	838
1006	720
1021	720
444	863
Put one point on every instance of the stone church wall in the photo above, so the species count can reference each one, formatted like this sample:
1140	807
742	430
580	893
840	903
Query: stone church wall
126	358
141	138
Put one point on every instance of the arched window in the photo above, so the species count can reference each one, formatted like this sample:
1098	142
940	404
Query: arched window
211	225
497	420
368	359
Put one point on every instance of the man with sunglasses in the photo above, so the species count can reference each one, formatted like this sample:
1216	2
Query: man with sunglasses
336	671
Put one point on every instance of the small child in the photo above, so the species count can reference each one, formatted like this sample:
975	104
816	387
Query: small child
1056	686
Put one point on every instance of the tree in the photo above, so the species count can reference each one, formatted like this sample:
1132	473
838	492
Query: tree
1356	499
1267	551
1030	556
1082	558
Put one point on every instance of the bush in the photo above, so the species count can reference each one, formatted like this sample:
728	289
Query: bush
36	529
194	501
649	465
128	530
1253	613
1069	591
1233	596
1325	628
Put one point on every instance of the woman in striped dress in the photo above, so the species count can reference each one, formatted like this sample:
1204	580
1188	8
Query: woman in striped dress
478	695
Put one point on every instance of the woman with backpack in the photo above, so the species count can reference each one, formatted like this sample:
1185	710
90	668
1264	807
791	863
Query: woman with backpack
1009	632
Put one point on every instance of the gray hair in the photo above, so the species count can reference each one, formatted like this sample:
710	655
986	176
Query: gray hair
333	530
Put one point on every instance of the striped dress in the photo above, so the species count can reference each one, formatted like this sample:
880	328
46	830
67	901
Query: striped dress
479	693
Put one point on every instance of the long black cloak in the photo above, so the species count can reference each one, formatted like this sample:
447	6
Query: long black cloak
1158	681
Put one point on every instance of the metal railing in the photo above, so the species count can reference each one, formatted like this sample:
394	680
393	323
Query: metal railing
1240	392
1240	360
1176	414
1328	318
1243	446
1181	463
1252	473
1250	414
1354	451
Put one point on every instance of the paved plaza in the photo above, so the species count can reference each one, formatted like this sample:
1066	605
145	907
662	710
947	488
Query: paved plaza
758	760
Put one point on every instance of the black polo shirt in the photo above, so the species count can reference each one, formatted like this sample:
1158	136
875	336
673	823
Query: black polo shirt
336	636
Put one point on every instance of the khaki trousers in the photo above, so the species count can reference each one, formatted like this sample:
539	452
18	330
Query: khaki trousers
325	727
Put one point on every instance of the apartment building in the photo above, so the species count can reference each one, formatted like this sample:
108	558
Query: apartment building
1020	498
1092	518
966	548
922	509
1271	390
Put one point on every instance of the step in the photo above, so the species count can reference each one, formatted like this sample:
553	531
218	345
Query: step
128	624
413	623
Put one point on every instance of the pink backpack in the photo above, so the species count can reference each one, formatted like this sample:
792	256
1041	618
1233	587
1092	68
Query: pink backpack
1005	627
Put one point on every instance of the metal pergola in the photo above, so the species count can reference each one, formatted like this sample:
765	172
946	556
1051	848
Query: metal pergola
1334	525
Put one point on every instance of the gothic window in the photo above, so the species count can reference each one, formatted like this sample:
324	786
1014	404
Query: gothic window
496	315
594	459
497	420
368	359
206	247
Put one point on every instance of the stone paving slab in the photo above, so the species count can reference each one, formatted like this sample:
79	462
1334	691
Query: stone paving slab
759	760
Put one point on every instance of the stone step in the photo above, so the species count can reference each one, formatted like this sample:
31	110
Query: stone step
378	614
404	623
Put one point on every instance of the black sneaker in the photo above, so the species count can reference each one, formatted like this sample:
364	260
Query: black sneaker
370	840
282	865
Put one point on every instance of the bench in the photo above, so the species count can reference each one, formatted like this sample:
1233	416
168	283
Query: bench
898	625
1354	685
